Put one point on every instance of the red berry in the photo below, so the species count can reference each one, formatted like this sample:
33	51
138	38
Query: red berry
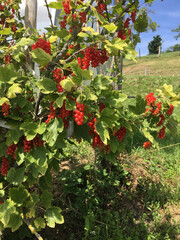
147	145
120	134
11	150
4	166
5	109
170	110
161	133
27	145
43	44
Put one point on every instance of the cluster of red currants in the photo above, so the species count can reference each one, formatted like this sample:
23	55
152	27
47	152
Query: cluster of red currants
66	6
52	113
5	109
147	145
9	11
63	22
94	56
101	8
4	166
36	142
120	134
155	109
125	31
58	77
11	150
79	113
43	44
161	133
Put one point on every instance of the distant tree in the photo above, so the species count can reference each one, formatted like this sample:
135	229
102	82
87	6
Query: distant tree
174	48
178	31
154	45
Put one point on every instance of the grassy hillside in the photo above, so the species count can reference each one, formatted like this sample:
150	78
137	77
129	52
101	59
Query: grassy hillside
168	64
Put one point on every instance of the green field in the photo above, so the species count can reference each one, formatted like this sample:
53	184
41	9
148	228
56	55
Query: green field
152	65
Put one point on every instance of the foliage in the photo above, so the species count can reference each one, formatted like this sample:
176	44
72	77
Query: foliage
36	108
174	48
177	30
154	45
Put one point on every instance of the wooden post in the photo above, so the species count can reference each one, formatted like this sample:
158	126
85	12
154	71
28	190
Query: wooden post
139	53
30	21
159	51
31	14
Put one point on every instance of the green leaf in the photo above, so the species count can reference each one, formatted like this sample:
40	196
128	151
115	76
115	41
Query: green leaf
5	31
168	91
62	33
83	35
13	90
41	57
15	176
2	192
114	46
41	128
67	84
60	100
13	136
111	27
149	136
172	126
90	94
15	222
140	107
101	82
141	23
116	99
4	100
102	131
46	198
108	116
56	5
39	223
99	16
18	195
114	144
47	85
38	156
70	105
81	75
54	128
8	73
30	129
6	210
53	39
91	30
53	216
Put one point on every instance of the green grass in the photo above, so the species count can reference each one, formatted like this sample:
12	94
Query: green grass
152	65
133	85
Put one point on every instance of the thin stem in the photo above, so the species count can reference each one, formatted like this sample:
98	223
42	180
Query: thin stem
50	16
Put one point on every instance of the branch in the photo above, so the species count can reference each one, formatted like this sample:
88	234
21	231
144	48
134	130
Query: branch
3	125
50	16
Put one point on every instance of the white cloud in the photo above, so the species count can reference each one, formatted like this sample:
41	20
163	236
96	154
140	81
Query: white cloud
174	14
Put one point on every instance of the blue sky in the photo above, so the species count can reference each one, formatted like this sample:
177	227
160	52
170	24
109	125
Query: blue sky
167	15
